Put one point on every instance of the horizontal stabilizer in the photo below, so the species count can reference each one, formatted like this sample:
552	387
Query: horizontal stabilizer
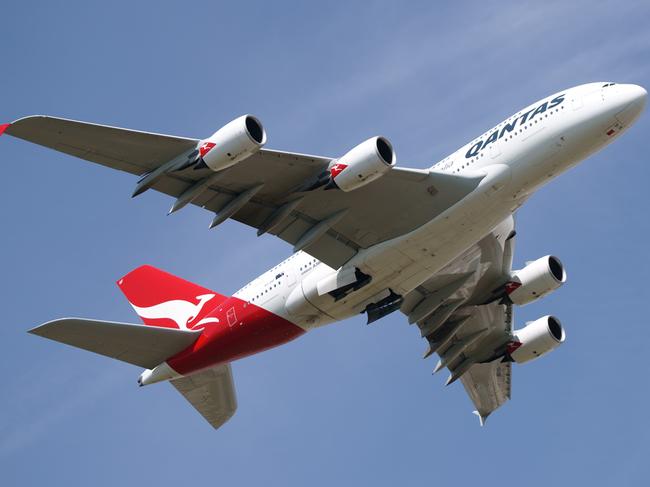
146	346
211	392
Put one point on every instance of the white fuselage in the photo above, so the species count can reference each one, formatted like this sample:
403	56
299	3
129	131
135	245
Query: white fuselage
516	157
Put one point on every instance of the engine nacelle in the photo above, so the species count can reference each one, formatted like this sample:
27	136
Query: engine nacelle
537	279
536	338
232	143
366	162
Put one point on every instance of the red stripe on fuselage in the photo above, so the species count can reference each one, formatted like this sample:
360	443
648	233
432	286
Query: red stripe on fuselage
243	329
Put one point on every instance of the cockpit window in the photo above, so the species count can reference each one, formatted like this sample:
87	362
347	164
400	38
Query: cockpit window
608	84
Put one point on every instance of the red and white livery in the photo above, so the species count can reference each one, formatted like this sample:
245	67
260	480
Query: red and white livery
368	237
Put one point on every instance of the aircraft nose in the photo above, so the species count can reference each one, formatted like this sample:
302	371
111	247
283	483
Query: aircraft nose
637	94
633	99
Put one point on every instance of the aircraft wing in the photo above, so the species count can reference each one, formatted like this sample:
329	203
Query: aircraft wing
488	386
127	150
330	225
211	392
459	313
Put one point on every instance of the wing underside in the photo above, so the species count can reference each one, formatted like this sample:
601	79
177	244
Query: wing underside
264	191
462	320
488	386
128	150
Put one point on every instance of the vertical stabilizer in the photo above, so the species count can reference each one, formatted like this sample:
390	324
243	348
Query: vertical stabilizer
162	299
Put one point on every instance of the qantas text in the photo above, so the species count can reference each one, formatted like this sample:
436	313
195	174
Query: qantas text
509	127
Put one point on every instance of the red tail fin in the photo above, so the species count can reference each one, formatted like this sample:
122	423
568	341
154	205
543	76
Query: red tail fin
161	299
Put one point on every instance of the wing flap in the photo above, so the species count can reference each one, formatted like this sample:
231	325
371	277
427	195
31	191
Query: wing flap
145	346
211	392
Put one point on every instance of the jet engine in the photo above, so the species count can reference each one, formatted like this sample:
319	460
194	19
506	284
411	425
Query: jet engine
535	339
232	143
366	162
537	279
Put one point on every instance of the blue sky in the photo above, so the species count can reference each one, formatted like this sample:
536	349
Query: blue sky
347	404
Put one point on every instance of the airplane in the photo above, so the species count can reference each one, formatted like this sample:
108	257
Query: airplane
368	237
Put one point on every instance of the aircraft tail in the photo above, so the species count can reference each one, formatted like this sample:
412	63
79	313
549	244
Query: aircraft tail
164	300
145	346
174	311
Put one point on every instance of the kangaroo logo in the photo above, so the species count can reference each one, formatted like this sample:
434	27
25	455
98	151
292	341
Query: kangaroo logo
179	311
337	169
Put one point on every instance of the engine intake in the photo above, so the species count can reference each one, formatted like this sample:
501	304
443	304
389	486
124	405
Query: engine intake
363	164
536	280
536	339
232	143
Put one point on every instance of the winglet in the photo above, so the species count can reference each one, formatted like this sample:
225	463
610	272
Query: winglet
481	418
4	127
